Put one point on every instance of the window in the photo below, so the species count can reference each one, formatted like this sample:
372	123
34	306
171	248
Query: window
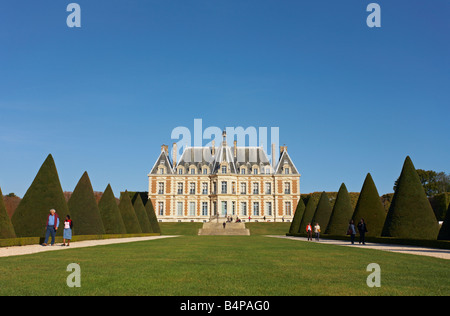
161	170
179	208
205	188
286	170
243	208
161	188
233	208
255	170
192	170
269	208
224	208
180	170
233	187
243	188
204	208
267	170
224	169
205	171
242	170
287	208
255	188
255	208
161	208
268	188
224	187
180	187
191	208
192	188
214	187
287	188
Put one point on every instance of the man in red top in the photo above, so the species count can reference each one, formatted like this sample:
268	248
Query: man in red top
309	231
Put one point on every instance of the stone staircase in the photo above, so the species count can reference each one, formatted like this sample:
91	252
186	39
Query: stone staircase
231	229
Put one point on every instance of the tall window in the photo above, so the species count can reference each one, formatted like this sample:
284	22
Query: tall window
205	208
224	208
205	171
180	170
161	208
192	188
255	208
161	170
233	208
255	188
255	170
243	188
243	208
242	170
224	187
286	170
180	187
269	208
161	188
287	208
179	208
191	208
268	188
224	169
287	188
192	170
205	188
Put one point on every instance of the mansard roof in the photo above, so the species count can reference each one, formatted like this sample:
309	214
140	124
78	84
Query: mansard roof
235	157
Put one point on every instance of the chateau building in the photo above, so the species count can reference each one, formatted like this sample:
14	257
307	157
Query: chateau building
211	182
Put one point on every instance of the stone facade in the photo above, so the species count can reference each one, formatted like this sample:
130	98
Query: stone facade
224	181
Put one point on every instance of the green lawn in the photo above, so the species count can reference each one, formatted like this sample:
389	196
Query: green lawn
223	265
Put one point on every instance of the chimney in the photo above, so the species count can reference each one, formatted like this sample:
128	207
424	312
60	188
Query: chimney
213	147
235	148
165	148
282	149
174	154
274	162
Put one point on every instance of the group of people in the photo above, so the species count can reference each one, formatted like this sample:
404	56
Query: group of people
52	226
362	229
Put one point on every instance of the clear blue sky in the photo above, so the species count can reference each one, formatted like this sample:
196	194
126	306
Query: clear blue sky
348	99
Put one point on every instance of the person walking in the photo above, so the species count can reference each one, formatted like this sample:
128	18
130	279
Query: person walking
317	231
224	224
309	231
351	231
362	229
52	227
67	233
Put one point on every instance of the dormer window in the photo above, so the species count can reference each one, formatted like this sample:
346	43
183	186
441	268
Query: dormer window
286	170
192	170
224	169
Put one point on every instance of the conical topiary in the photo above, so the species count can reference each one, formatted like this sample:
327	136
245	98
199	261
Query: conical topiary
129	215
444	233
44	194
84	210
308	215
370	208
141	214
323	211
296	221
6	227
410	214
110	213
152	217
342	213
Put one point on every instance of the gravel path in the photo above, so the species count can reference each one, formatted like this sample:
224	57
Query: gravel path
431	252
29	249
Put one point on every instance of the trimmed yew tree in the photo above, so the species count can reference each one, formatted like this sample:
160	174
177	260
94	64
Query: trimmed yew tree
296	221
44	194
444	233
129	215
141	214
323	211
152	217
6	227
84	210
308	215
110	213
410	214
370	208
342	213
